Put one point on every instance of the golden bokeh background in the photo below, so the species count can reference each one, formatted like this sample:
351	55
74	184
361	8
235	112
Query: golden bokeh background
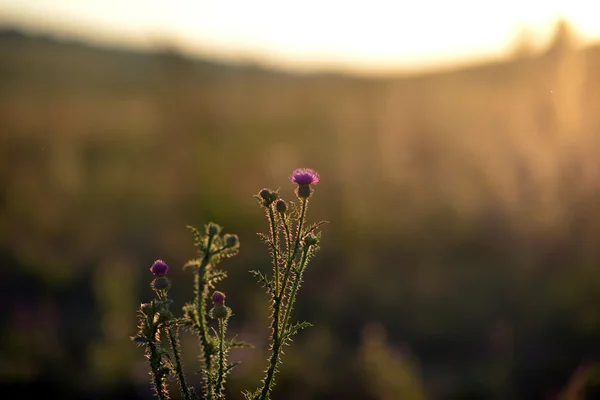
460	259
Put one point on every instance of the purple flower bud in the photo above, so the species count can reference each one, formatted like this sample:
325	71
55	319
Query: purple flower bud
159	268
305	176
218	298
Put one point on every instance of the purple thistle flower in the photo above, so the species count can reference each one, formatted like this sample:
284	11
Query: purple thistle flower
305	176
218	298
159	268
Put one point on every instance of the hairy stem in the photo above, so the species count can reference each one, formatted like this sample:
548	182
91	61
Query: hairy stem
291	257
157	377
221	375
201	290
296	285
275	250
178	368
277	326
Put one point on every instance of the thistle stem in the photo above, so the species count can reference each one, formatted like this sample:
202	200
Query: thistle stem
296	285
157	378
275	249
201	290
178	368
291	257
277	326
221	375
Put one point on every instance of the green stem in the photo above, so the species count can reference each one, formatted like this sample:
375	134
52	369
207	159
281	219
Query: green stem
277	328
295	287
288	237
221	375
290	260
201	289
275	249
157	378
178	368
271	372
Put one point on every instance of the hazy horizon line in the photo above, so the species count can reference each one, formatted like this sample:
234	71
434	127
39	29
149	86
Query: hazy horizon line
164	43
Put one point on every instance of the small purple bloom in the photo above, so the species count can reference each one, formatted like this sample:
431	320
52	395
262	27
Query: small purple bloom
218	298
305	176
159	268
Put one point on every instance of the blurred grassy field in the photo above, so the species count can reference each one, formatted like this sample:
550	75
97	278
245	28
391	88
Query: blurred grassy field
460	260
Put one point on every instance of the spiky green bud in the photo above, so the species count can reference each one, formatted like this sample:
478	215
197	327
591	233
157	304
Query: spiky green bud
265	194
212	229
268	196
310	240
220	312
161	283
280	206
231	240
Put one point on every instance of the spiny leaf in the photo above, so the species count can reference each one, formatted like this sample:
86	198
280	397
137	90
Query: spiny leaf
264	237
292	330
263	280
251	395
216	276
224	252
315	226
234	343
195	262
196	234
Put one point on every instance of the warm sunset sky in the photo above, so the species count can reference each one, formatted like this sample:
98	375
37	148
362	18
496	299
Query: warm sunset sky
374	35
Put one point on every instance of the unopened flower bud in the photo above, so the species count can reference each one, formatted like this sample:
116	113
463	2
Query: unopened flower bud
231	240
220	312
212	229
281	206
310	240
268	196
161	283
159	268
265	194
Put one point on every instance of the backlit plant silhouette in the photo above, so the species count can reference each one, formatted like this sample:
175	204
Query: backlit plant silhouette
291	242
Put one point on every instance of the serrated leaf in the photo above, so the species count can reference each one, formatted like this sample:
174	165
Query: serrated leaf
233	344
195	262
315	226
250	395
195	233
264	237
230	252
263	280
292	330
217	276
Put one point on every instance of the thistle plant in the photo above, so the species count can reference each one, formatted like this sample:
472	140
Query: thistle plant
292	243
